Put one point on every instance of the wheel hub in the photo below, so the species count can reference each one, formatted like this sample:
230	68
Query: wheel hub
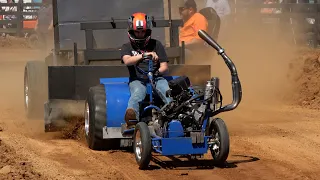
215	148
86	119
138	148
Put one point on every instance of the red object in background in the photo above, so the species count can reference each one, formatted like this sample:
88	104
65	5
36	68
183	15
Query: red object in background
267	10
30	24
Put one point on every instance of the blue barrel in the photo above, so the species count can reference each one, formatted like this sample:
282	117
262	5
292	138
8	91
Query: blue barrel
117	96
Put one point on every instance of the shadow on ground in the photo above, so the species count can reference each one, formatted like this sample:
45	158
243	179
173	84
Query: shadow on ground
176	163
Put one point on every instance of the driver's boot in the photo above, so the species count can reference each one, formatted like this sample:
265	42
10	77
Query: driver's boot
130	115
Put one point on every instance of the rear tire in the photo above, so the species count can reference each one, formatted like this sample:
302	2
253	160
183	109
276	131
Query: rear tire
142	145
96	120
35	88
33	41
219	150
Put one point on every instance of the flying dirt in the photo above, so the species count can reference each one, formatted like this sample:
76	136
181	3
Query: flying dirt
274	133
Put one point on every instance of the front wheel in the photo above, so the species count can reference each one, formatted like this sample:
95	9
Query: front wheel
221	142
142	145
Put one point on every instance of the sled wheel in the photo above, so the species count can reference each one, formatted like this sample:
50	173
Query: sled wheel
35	92
142	145
220	137
33	41
95	120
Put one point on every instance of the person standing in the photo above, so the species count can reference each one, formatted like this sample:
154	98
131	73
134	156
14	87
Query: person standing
44	26
222	7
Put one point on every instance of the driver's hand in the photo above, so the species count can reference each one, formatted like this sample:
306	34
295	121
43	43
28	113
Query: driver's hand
154	55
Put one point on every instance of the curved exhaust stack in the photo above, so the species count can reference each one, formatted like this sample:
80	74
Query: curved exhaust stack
236	85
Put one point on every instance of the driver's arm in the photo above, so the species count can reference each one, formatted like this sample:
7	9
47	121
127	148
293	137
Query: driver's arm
131	60
126	56
163	58
164	69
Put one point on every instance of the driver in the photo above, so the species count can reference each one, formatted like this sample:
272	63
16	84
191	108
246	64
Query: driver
141	44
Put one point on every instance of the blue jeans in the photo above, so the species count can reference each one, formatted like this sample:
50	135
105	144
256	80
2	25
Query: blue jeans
138	93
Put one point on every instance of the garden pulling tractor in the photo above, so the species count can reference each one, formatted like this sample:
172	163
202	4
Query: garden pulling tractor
58	86
182	127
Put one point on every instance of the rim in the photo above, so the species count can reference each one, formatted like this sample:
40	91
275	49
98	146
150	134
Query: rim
138	148
26	90
215	149
86	119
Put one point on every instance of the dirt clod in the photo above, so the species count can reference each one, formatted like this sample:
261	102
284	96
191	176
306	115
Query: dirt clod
12	166
6	169
74	129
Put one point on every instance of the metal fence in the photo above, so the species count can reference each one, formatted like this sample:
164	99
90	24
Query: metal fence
299	20
17	19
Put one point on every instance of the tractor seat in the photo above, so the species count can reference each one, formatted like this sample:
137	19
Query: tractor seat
213	21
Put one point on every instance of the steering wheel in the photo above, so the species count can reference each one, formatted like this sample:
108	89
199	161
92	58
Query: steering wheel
149	60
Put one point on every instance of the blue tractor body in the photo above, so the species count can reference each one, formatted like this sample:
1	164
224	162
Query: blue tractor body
181	126
117	97
173	142
176	143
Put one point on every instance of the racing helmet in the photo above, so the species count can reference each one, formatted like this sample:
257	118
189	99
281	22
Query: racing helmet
139	21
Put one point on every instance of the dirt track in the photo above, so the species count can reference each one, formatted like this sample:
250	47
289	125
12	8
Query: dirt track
269	140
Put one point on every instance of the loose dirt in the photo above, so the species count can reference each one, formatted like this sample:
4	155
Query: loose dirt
74	129
12	166
273	135
304	76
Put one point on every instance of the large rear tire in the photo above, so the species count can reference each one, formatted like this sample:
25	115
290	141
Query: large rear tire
96	120
33	41
220	135
142	145
35	88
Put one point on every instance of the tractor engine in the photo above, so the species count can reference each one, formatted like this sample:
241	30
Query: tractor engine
181	108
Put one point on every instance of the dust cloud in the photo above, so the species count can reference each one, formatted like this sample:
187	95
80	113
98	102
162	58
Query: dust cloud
261	54
262	59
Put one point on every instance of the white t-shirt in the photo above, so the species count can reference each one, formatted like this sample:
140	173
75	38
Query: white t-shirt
222	7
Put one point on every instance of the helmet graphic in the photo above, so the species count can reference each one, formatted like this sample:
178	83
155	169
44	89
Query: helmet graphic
139	22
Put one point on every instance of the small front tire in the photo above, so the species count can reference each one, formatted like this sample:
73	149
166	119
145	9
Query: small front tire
142	145
220	135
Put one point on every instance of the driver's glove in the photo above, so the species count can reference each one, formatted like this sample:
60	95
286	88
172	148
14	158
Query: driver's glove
157	73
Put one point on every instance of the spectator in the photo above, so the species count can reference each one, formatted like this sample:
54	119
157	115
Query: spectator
11	9
193	21
8	9
222	7
44	25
